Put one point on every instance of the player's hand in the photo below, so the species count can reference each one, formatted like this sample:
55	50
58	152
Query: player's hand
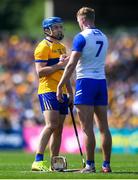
62	64
63	60
59	94
70	101
63	57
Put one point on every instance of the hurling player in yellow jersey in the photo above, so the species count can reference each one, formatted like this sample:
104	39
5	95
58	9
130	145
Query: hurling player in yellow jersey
50	60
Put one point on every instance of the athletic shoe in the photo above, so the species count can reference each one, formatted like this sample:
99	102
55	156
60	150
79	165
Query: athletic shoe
50	169
40	166
88	170
106	169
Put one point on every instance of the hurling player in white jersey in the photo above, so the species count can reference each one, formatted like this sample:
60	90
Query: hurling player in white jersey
88	56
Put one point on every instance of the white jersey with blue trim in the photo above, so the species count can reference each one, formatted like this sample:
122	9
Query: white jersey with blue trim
93	44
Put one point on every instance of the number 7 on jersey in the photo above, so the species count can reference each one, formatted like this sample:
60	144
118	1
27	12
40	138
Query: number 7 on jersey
100	43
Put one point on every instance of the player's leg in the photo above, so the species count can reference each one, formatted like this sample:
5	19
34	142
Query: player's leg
50	108
56	137
85	114
106	140
52	123
84	100
101	113
57	134
100	108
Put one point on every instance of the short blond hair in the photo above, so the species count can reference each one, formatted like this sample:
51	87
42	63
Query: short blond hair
87	13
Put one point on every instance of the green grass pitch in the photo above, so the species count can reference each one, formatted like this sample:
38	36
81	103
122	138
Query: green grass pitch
16	165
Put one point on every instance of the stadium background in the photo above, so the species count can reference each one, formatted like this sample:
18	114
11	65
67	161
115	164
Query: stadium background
20	30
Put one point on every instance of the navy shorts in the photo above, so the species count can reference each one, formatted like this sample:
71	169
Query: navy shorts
48	101
91	92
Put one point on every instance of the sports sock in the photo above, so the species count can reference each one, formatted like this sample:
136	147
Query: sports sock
39	157
90	163
106	163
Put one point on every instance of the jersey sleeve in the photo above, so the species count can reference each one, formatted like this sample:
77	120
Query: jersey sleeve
41	53
64	51
78	43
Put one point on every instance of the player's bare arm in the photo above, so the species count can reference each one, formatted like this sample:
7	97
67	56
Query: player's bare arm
68	72
70	93
64	57
43	70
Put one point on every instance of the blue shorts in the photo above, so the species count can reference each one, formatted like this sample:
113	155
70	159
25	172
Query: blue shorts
48	101
91	92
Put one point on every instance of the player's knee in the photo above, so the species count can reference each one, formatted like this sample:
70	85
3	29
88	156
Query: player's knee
59	130
52	127
85	127
104	131
60	127
87	130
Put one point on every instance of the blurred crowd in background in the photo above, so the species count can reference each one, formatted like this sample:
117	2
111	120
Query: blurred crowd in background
19	105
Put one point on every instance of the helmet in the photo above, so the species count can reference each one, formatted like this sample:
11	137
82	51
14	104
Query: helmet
51	21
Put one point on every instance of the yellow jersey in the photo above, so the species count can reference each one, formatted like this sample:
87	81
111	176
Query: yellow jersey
49	52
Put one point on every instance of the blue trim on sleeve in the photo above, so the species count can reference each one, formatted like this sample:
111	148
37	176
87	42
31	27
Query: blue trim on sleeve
49	62
40	61
78	43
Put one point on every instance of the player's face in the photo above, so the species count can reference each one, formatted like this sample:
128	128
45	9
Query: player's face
57	31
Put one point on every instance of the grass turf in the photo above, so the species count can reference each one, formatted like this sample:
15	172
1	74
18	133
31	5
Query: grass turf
16	165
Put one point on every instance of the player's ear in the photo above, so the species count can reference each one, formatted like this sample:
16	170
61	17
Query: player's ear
47	31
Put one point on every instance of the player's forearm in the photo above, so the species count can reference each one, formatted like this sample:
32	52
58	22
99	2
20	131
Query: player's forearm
69	88
67	74
44	71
